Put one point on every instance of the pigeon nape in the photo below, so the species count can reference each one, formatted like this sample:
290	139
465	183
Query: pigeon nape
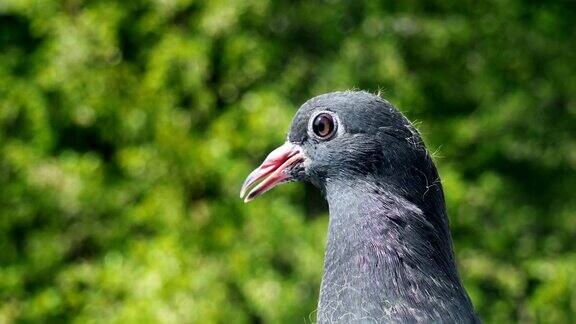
389	254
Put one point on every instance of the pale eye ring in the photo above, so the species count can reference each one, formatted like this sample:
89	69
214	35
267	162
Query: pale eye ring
324	125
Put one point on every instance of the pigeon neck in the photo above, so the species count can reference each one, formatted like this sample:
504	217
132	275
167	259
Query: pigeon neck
385	259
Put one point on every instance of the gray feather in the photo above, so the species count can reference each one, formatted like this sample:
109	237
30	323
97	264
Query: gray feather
389	252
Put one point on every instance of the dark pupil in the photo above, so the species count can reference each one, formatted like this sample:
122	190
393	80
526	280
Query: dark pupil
323	125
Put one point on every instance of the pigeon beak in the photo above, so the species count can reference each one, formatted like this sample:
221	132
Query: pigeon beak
273	170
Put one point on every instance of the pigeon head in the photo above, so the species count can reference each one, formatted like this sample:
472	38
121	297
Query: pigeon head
343	137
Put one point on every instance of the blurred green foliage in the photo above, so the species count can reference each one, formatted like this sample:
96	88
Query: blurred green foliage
126	129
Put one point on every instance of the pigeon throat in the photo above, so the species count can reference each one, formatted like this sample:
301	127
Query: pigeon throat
386	261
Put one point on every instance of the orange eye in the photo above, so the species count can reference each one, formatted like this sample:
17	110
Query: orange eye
323	125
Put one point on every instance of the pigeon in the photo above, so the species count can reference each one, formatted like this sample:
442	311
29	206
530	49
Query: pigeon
389	255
